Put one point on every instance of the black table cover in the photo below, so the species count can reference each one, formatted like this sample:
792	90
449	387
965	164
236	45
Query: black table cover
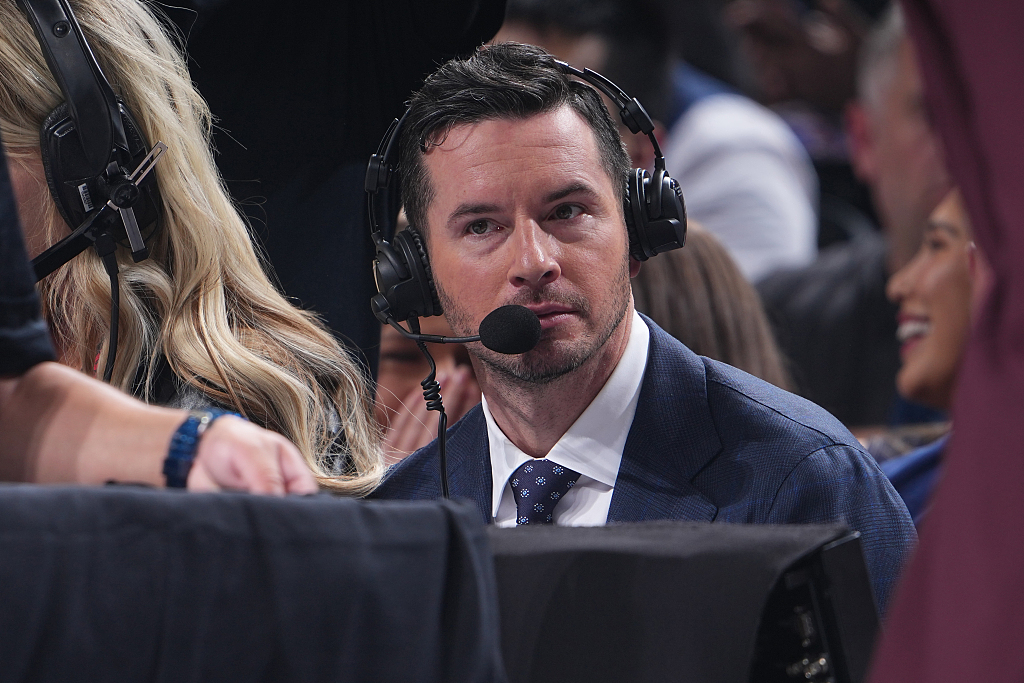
127	584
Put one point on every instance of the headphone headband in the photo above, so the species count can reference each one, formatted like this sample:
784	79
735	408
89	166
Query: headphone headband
632	113
90	100
381	167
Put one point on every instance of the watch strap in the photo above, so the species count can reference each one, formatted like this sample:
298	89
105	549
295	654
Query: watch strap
185	442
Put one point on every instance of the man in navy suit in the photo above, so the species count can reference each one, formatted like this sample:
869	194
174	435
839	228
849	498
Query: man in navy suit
515	176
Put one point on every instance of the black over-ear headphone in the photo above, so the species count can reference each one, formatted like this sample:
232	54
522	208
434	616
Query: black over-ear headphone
654	210
93	152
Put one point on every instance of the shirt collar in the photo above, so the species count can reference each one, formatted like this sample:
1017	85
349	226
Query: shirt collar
593	444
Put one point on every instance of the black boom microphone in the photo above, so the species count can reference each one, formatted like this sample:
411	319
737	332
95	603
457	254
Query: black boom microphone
510	329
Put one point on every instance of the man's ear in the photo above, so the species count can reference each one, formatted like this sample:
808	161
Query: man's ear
861	141
634	267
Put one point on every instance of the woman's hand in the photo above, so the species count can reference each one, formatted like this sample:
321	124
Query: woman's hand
60	426
235	454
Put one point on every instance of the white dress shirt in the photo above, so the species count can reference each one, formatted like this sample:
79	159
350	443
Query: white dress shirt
592	446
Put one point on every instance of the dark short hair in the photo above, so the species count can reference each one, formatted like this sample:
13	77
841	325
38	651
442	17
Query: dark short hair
503	81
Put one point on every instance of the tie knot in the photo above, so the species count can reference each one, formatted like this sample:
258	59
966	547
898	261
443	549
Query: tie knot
537	486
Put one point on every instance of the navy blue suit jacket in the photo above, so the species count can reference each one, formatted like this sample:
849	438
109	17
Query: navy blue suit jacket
710	442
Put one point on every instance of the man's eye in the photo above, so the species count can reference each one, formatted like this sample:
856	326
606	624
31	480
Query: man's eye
479	227
564	212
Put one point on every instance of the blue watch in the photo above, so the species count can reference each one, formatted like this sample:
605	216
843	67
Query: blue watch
184	444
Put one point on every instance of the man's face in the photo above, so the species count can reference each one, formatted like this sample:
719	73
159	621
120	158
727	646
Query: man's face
524	213
909	176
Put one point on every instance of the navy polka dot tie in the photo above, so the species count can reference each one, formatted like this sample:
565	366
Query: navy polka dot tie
537	486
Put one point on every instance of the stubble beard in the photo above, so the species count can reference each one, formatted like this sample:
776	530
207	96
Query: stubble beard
543	364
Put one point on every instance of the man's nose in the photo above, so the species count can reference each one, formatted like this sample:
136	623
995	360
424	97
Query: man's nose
534	259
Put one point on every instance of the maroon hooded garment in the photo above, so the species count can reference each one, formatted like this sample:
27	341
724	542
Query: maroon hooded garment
959	612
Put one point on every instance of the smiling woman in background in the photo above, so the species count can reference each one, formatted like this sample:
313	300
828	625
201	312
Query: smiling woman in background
937	291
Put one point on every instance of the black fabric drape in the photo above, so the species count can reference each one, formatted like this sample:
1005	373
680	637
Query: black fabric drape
123	584
657	601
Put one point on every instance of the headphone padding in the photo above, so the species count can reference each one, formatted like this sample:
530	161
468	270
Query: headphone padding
419	268
636	215
46	150
654	194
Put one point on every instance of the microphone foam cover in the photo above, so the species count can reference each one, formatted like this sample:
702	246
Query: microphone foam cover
510	329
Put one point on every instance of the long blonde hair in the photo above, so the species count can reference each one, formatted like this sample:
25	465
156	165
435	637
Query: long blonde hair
202	300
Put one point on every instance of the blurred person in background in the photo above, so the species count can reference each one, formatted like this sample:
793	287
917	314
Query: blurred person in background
959	611
893	146
699	296
744	175
937	292
803	57
400	409
701	37
833	319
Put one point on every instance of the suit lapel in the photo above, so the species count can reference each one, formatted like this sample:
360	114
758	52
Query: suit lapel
469	461
671	439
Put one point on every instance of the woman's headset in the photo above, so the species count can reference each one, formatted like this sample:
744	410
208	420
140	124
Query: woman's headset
95	158
654	210
91	146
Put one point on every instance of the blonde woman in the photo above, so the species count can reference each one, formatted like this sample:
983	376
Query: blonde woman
200	322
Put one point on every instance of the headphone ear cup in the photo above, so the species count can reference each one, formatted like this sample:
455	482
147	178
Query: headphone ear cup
405	285
666	230
635	212
655	214
56	134
422	272
389	272
77	188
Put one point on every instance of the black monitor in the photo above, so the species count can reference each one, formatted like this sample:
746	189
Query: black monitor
684	601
